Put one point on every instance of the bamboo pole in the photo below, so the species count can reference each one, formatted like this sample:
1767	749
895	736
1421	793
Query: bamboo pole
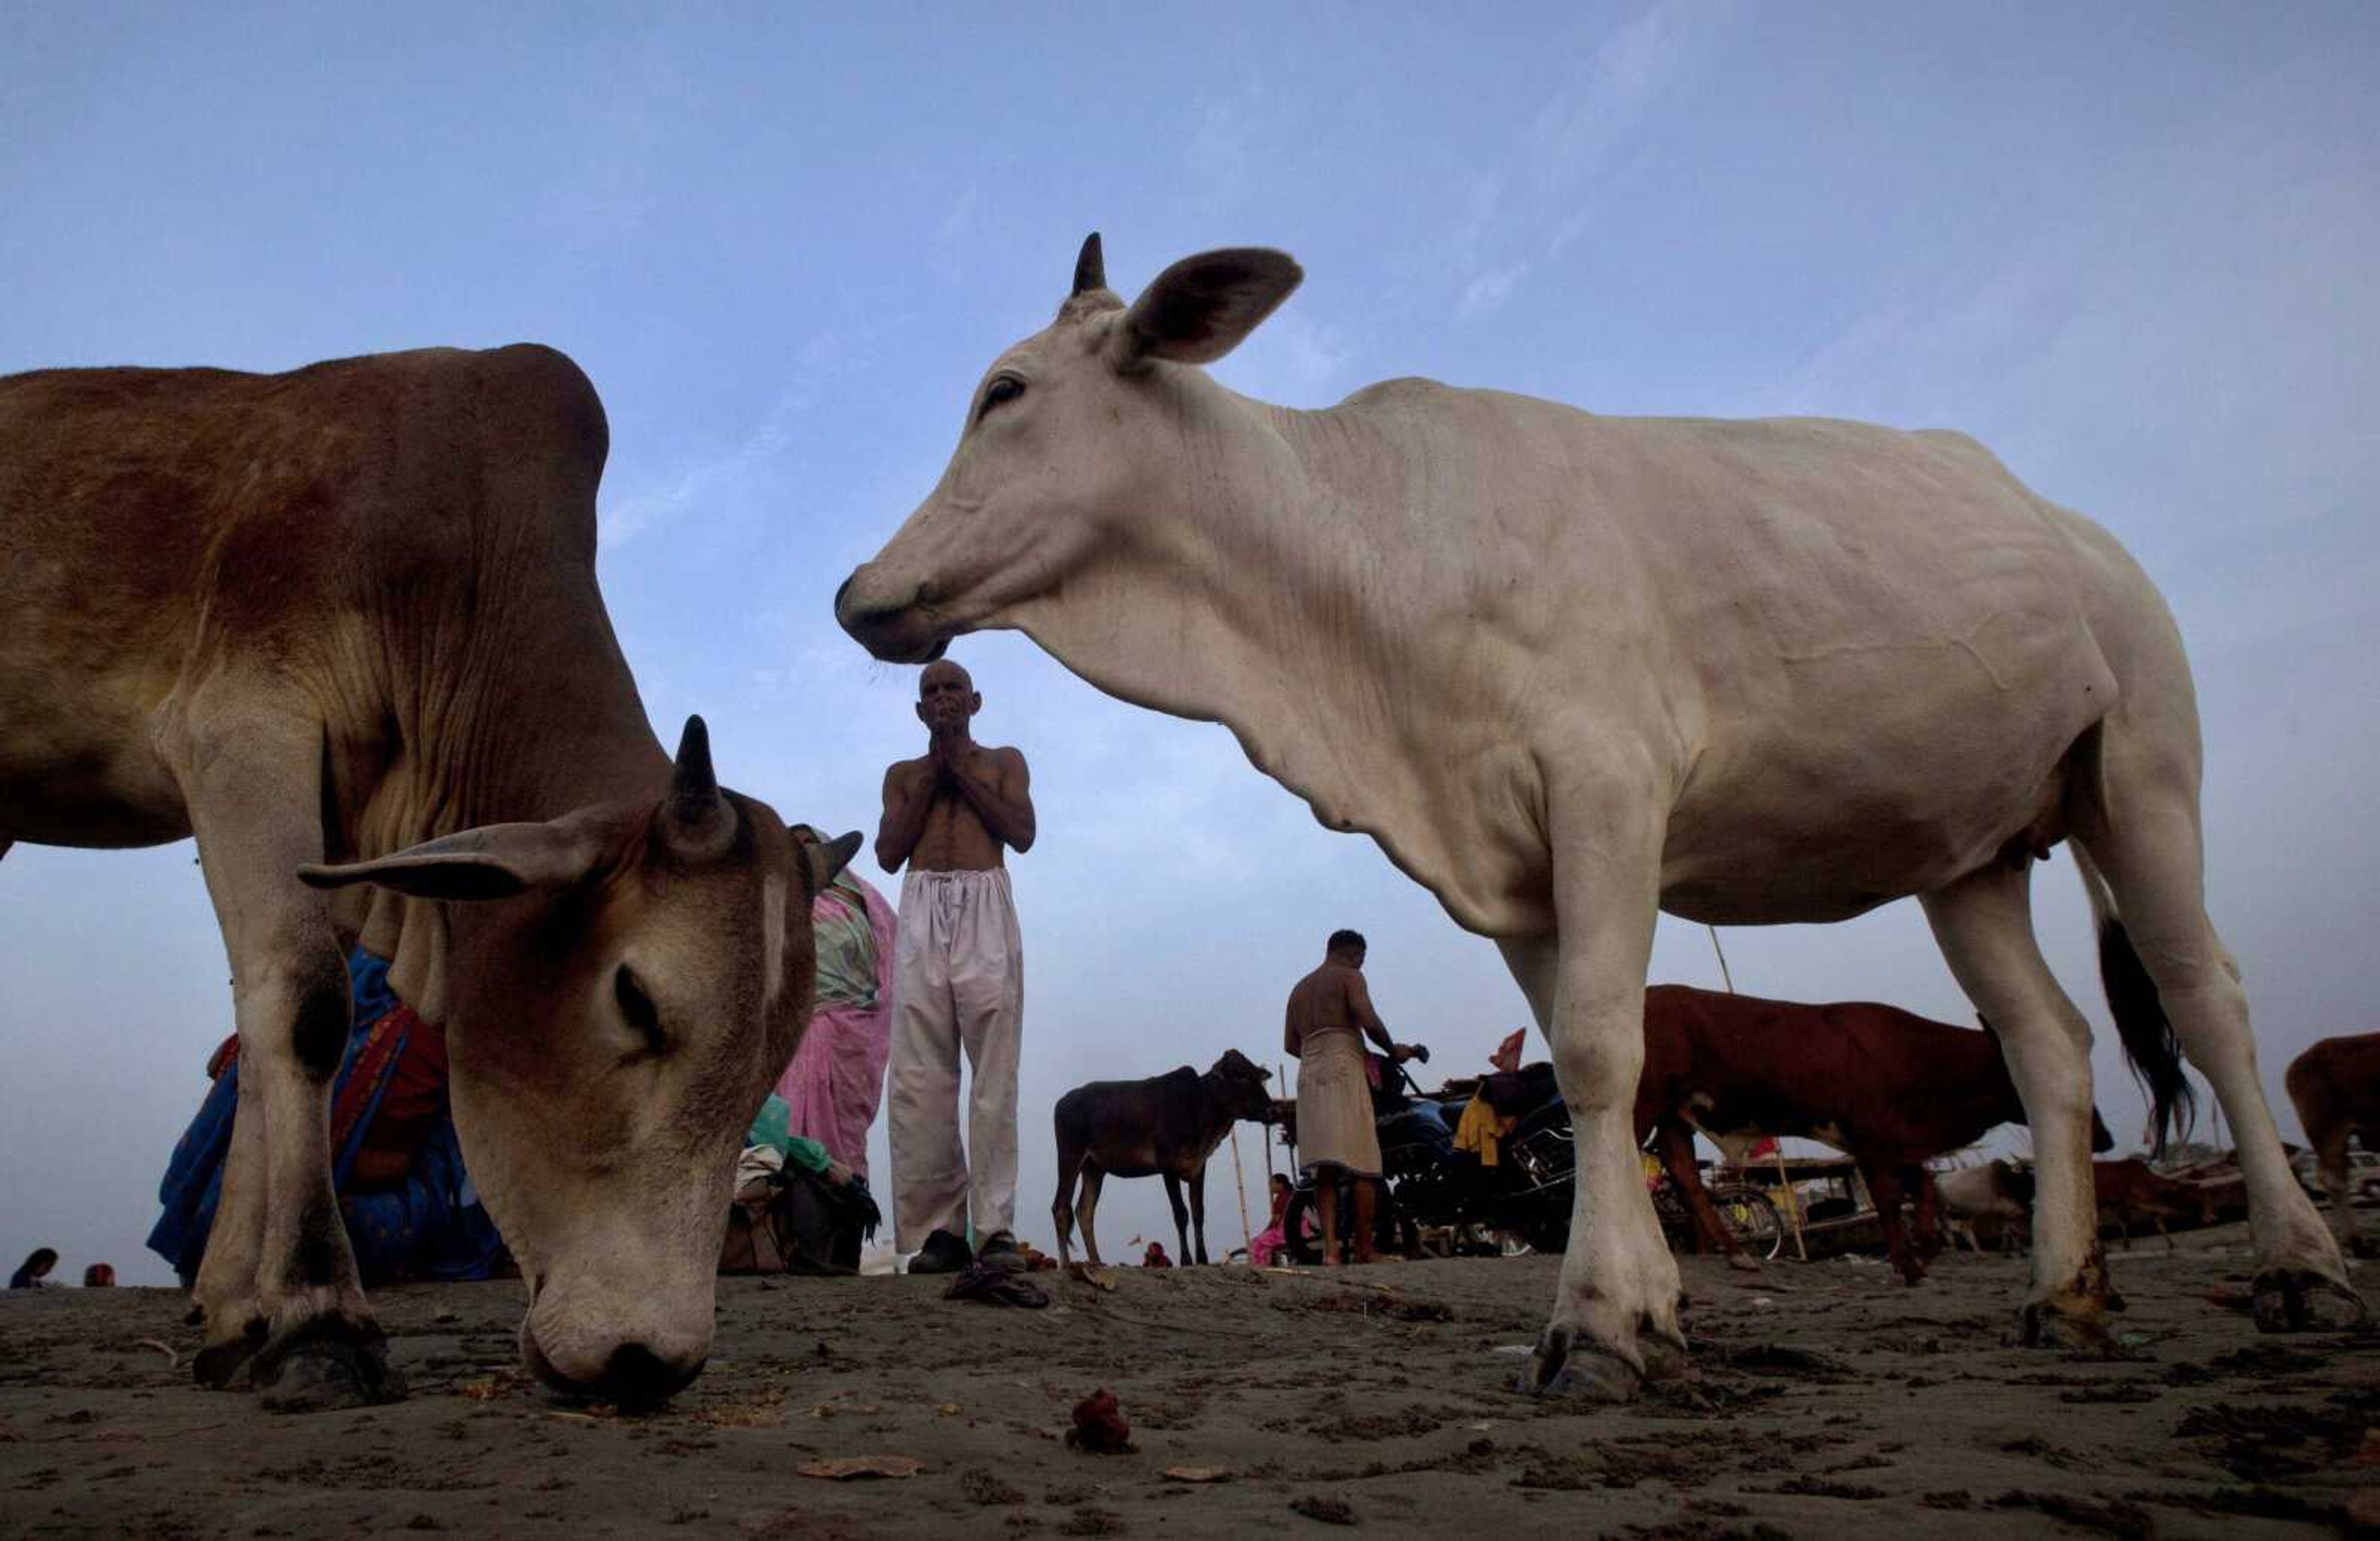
1240	1186
1725	978
1793	1203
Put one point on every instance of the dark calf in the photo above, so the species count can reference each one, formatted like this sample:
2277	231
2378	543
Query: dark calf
1887	1087
2130	1192
1165	1127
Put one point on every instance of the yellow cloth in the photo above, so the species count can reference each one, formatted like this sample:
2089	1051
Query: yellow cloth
1482	1132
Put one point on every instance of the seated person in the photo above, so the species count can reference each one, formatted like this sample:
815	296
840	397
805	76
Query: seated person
410	1209
797	1208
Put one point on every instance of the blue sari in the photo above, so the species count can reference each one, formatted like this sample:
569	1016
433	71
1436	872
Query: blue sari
431	1227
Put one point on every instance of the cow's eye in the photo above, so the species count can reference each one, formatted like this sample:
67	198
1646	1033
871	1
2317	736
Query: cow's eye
637	1008
1007	388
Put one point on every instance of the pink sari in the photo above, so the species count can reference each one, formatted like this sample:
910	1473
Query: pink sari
836	1080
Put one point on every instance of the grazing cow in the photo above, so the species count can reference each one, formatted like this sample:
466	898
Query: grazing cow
342	624
2336	1088
1166	1126
1997	1193
1572	670
1888	1089
2131	1192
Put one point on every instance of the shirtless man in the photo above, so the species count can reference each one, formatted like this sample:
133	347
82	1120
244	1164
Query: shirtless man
1330	1014
958	982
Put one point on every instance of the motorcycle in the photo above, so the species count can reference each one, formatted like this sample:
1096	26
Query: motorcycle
1520	1205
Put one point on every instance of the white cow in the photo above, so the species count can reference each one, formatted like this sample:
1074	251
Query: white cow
1569	671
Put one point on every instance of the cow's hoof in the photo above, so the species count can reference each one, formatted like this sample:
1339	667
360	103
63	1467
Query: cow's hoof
1664	1360
219	1365
1742	1262
1587	1372
2300	1300
327	1362
2079	1337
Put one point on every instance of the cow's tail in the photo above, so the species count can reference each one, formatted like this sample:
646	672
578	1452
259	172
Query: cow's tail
2140	1022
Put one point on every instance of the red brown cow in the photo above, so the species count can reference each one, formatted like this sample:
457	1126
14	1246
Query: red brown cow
2131	1190
1887	1087
2336	1087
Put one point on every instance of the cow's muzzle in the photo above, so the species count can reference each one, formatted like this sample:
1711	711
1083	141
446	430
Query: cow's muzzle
892	633
632	1377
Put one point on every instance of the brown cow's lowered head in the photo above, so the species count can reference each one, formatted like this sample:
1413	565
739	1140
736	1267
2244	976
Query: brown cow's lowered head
624	985
1239	1083
1093	441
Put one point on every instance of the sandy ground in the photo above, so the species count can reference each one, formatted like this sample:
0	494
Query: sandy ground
1821	1395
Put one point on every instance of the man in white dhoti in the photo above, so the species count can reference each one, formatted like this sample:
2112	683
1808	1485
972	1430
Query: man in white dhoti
1330	1015
958	983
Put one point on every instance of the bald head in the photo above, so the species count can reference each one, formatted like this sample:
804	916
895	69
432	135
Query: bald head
943	671
947	701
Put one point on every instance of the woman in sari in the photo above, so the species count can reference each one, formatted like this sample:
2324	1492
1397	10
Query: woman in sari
836	1083
410	1209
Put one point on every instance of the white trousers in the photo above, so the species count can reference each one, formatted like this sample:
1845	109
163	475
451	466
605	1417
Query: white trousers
958	982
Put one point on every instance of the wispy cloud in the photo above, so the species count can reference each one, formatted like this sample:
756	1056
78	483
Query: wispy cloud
705	484
1573	139
1293	358
1489	290
722	483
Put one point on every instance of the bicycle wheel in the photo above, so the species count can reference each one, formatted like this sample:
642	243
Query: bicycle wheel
1752	1219
1301	1230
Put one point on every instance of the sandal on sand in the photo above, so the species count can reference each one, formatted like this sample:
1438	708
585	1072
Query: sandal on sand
979	1281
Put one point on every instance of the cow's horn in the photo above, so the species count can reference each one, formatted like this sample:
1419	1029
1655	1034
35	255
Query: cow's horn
701	823
1091	266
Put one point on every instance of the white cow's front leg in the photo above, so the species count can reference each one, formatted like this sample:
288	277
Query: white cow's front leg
1619	1283
1984	925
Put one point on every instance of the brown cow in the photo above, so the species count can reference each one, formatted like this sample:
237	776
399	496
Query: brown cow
1887	1087
2130	1191
342	623
1167	1125
2336	1087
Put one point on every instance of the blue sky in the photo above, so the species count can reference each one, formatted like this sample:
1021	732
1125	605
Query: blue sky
2130	249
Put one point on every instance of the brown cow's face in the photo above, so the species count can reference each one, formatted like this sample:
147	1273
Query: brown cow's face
1244	1086
619	1006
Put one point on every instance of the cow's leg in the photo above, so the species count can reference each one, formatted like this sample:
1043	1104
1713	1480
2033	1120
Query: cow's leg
2144	837
1094	1177
1885	1186
1983	923
1062	1209
1198	1209
1676	1143
252	783
2159	1220
1928	1219
2330	1156
1586	987
1180	1216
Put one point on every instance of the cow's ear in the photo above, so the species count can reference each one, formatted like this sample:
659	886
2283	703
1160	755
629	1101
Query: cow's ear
1203	307
829	858
494	861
